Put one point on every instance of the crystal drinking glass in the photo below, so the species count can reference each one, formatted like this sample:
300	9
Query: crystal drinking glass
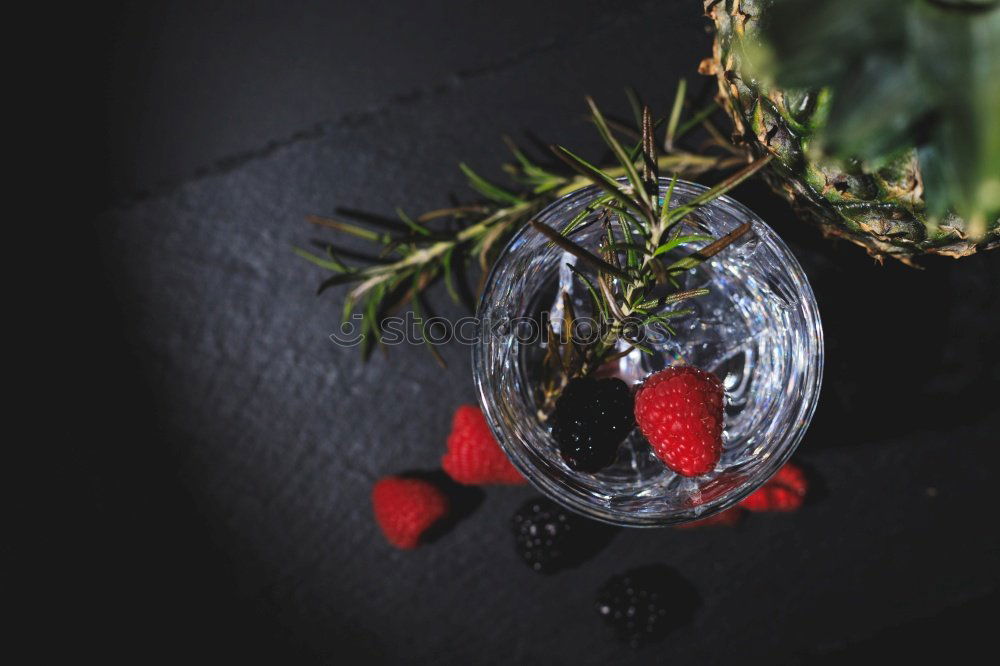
758	330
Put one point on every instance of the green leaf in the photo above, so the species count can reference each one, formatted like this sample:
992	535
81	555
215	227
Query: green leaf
665	317
665	209
536	174
372	306
679	296
579	252
418	312
711	249
674	214
332	263
695	120
616	147
488	189
347	309
449	281
632	250
585	212
898	74
959	57
413	225
814	42
635	104
598	177
675	114
635	227
677	241
650	167
873	113
599	305
347	228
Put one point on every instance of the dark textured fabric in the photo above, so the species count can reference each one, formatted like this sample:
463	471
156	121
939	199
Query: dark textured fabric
227	511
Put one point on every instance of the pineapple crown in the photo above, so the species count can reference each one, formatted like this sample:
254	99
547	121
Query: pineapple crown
903	74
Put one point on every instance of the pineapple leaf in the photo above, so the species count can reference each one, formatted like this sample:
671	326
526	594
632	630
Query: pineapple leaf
902	73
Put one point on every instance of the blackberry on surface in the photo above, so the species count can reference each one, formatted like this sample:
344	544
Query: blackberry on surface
643	605
549	538
592	418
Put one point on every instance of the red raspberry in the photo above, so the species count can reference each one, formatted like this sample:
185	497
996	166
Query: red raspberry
405	508
727	518
474	457
785	491
679	411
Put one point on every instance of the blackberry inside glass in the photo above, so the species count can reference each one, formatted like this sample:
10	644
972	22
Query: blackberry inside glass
592	418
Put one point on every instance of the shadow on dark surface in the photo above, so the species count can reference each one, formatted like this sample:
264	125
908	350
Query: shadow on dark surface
910	358
819	490
342	253
462	501
372	219
907	349
597	537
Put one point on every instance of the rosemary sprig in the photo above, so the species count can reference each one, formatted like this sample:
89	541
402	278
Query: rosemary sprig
444	243
640	230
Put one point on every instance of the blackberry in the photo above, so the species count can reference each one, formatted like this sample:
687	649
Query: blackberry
643	605
592	418
549	538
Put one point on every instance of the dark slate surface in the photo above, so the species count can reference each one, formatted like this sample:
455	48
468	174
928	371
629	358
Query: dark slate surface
227	513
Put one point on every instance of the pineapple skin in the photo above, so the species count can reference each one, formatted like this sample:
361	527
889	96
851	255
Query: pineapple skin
880	209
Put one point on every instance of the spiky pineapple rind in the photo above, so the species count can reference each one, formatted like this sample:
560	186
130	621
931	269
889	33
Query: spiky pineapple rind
877	206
